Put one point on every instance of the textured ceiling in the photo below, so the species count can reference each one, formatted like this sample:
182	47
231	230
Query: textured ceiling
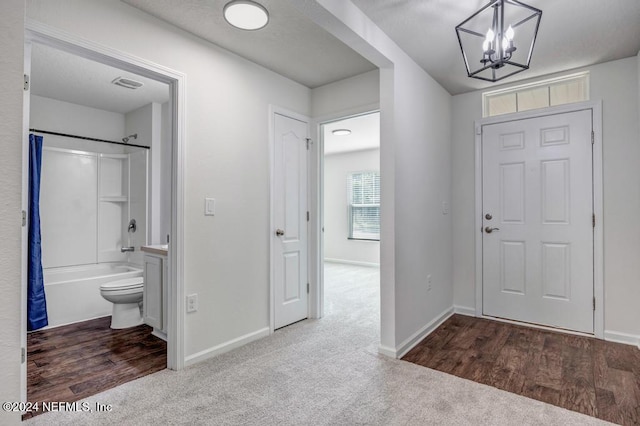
365	134
291	44
59	75
572	34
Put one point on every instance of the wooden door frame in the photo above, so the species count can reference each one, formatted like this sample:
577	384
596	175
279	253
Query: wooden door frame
36	32
598	237
273	110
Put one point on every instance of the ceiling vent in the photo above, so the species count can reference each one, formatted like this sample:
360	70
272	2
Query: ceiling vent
125	82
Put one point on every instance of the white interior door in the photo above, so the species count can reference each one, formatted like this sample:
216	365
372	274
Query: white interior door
290	220
537	238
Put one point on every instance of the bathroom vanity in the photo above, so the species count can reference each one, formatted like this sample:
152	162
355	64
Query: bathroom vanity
155	288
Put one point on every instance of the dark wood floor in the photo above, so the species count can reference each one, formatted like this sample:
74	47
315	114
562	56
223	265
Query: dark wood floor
591	376
72	362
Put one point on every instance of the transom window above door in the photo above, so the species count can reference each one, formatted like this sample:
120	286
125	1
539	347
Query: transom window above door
363	190
541	94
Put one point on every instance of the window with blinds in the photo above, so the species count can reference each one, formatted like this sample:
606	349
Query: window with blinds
363	189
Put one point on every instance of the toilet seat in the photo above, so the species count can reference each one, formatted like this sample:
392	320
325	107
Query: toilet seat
127	285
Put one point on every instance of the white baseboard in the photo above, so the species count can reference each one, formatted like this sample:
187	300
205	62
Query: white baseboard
387	351
464	310
618	337
226	347
352	262
159	334
419	335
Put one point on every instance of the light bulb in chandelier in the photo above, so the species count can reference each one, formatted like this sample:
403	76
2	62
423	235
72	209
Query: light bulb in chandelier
490	36
509	33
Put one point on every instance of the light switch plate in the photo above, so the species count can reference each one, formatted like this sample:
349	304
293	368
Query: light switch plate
209	206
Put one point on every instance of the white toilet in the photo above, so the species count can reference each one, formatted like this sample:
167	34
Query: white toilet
126	296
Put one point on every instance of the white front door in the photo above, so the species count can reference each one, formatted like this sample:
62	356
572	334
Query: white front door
290	220
537	240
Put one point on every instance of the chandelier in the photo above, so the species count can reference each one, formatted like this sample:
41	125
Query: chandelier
497	41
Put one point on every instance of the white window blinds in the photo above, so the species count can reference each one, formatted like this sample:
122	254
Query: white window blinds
363	189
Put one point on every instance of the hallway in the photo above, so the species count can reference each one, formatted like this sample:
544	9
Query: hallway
320	372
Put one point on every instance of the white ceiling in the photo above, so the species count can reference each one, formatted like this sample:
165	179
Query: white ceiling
572	34
365	134
291	44
60	75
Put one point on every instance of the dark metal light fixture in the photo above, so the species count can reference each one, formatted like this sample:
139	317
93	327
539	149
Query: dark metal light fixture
497	41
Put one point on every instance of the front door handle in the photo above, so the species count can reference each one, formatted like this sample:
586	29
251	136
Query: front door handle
489	229
279	232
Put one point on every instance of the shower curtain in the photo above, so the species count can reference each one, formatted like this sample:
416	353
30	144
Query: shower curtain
36	301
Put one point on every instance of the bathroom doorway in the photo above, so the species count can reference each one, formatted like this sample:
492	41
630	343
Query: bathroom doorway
111	183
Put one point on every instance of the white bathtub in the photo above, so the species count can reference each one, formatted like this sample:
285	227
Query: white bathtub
73	293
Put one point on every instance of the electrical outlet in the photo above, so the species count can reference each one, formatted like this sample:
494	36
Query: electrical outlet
192	303
429	282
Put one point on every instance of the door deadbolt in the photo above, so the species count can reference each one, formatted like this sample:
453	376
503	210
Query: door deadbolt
279	232
488	216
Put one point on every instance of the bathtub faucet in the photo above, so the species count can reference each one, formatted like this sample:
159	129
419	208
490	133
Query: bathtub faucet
125	249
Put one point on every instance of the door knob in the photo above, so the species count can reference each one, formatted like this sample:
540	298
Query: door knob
489	229
279	232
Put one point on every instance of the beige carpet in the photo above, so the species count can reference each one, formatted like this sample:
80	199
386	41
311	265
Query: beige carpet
316	372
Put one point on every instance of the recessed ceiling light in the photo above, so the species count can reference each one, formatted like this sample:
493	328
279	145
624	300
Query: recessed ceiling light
246	15
341	132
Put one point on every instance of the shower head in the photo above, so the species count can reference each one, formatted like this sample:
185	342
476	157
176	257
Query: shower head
126	139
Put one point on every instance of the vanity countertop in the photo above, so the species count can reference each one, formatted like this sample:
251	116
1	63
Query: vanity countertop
161	249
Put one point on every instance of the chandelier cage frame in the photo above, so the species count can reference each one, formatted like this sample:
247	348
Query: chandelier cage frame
498	55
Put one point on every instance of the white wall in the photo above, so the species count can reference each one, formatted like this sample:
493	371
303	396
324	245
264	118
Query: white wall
147	123
415	173
165	176
342	96
337	245
64	117
11	71
616	84
227	99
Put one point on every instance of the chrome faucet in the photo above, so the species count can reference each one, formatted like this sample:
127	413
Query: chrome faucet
126	249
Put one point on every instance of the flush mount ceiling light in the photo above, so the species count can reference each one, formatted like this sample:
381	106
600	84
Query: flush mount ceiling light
497	41
246	15
341	132
126	82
